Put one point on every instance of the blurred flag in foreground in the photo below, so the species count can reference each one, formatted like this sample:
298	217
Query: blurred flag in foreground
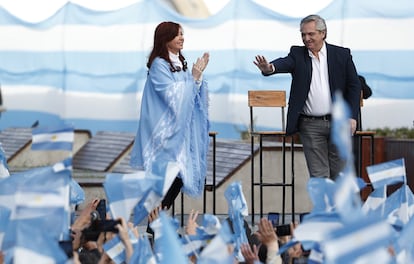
375	199
165	173
341	129
356	240
4	169
387	173
77	194
124	191
35	246
4	221
143	252
237	210
404	244
40	194
53	138
321	192
168	246
115	248
218	250
141	191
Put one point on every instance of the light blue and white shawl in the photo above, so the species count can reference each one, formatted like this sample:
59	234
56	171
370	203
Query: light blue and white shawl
173	125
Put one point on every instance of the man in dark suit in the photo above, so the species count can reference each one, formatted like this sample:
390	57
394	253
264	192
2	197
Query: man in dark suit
318	70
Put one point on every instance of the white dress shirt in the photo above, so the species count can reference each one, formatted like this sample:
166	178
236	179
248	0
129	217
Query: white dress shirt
319	100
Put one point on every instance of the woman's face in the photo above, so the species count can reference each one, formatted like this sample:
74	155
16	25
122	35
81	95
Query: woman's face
175	45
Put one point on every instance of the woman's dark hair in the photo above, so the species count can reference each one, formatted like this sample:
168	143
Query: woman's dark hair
164	33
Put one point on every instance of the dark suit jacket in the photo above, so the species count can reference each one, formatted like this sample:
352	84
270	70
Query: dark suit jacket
342	77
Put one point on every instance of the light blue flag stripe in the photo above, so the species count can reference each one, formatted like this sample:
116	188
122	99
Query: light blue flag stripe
53	138
375	199
404	244
115	249
397	208
77	194
32	193
347	197
143	253
315	227
354	240
4	168
400	215
165	171
4	222
387	173
192	244
168	247
35	246
341	129
125	190
217	250
237	210
321	192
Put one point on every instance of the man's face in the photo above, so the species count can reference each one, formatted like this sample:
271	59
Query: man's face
311	37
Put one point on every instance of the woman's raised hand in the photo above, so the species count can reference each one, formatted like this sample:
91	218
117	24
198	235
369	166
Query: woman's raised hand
199	66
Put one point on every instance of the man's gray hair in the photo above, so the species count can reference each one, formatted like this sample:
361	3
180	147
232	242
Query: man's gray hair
319	22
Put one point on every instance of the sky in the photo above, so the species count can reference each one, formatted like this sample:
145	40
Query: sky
24	9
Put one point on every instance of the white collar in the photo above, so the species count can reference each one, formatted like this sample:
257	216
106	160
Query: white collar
175	60
321	51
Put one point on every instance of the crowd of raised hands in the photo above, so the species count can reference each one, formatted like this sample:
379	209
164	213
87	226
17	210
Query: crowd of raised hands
86	250
91	251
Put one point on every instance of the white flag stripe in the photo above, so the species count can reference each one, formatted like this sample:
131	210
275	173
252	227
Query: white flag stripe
57	136
139	175
216	250
123	208
60	167
131	37
380	255
385	174
372	203
40	199
340	246
152	201
191	246
4	172
8	201
315	231
115	250
24	256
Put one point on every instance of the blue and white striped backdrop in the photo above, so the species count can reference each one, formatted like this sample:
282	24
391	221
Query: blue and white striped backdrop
88	68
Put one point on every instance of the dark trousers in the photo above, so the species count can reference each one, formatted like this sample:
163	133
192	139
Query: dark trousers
321	154
172	193
169	198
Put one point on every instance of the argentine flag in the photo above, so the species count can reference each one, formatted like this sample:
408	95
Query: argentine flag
4	221
53	138
4	169
357	240
36	246
143	253
387	173
167	246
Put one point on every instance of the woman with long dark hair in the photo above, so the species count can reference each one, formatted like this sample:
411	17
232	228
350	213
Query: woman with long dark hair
173	125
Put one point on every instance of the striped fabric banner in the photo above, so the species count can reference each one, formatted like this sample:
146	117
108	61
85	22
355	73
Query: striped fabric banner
87	67
53	138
